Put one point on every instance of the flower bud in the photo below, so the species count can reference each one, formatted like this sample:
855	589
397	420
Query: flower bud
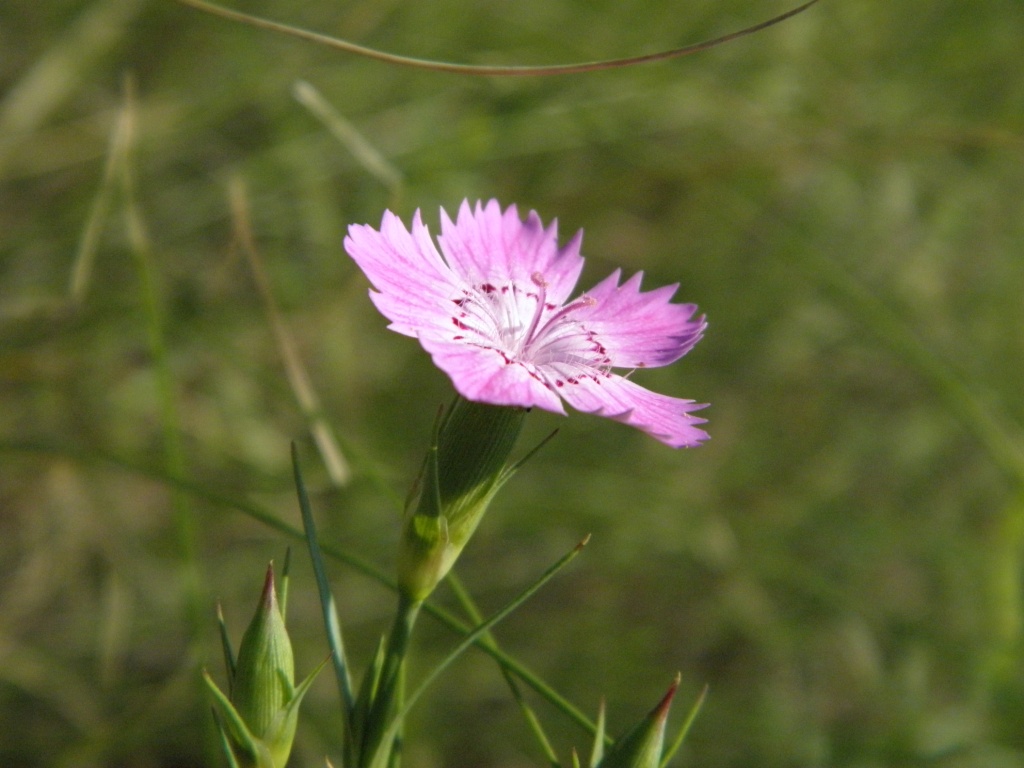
261	715
464	469
641	746
265	669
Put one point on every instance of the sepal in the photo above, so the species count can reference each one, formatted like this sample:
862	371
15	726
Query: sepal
464	468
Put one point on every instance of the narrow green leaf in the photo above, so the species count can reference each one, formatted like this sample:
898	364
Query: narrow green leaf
225	742
471	638
513	468
488	640
225	645
302	688
238	732
597	755
286	720
329	608
282	593
684	729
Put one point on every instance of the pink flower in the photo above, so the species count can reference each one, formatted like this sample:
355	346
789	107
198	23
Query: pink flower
492	308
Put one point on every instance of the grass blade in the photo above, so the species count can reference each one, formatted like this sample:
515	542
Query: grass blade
330	612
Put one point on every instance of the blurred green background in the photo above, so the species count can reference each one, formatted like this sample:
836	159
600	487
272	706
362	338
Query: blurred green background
843	195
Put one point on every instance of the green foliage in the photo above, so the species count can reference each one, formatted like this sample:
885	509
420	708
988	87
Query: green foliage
844	197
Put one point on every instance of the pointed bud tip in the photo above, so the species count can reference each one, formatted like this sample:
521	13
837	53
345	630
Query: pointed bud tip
666	702
269	596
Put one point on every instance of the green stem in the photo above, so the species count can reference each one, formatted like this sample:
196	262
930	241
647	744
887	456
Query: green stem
381	731
486	71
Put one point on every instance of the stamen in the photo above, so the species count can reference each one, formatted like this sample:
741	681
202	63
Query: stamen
542	285
582	301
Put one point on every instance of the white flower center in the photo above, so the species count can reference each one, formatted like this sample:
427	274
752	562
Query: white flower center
526	329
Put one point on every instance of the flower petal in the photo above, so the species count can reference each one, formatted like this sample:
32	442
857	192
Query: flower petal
486	245
664	418
483	375
413	282
640	329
